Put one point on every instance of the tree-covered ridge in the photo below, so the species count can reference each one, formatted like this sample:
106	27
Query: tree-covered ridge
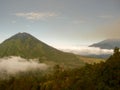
102	76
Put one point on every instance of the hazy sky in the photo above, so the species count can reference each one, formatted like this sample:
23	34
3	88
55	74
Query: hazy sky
61	22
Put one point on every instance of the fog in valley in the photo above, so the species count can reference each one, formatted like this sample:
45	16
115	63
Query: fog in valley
13	65
85	50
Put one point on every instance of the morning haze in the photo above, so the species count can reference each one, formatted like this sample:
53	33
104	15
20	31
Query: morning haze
67	22
59	44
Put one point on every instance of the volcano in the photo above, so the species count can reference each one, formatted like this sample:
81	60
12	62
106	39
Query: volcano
27	46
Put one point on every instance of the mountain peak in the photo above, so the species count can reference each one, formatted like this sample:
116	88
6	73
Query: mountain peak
27	46
107	44
22	34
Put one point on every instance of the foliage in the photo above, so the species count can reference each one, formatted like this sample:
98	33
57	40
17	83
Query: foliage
100	76
103	76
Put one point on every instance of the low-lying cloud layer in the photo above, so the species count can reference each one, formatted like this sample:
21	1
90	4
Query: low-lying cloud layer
85	50
13	65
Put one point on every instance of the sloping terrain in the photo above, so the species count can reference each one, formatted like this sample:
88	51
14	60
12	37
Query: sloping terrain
107	44
27	46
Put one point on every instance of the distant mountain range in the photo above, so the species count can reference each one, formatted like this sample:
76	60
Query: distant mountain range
107	44
29	47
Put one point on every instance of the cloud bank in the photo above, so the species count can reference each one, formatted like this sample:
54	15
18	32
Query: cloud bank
85	50
13	65
36	15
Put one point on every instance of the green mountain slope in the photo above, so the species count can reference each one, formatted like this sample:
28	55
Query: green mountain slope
27	46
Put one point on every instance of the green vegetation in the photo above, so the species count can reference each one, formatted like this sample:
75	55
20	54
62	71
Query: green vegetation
90	60
27	46
100	76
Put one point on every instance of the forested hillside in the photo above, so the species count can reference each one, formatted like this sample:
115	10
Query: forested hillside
102	76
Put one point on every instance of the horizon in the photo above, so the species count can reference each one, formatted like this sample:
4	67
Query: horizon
64	47
61	23
77	49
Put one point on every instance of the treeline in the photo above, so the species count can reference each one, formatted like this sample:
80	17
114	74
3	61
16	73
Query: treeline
102	76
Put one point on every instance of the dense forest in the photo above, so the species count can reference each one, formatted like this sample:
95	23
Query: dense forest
102	76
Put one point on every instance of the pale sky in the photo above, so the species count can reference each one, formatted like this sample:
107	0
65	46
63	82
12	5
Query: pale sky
61	22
